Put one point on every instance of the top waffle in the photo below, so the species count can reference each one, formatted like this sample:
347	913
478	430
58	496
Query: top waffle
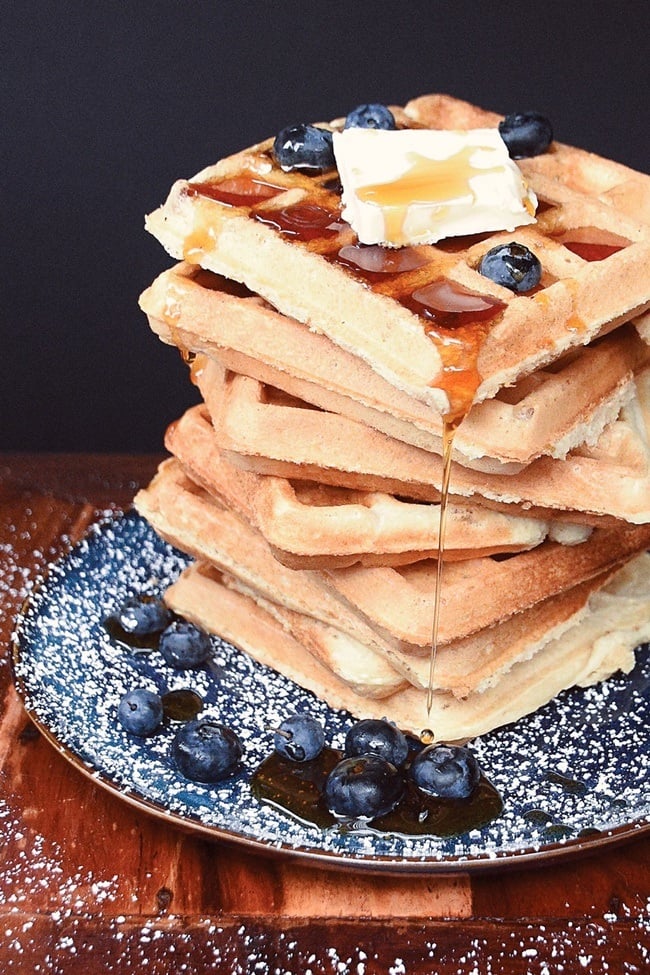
281	234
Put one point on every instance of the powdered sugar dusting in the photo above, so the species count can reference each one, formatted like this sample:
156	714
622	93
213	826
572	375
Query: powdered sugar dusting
572	773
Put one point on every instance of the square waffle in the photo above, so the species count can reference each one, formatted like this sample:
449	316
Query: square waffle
397	602
315	525
585	654
204	313
302	602
280	233
609	480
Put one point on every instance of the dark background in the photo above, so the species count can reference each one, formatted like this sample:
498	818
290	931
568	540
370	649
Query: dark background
105	104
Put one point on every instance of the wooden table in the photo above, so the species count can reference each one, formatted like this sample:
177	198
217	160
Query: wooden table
88	884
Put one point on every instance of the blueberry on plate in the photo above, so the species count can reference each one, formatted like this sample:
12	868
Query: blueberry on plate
205	751
304	147
374	116
363	787
447	771
299	738
143	615
526	134
377	737
184	645
513	266
140	712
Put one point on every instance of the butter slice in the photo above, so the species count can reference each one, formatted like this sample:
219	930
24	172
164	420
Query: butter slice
417	186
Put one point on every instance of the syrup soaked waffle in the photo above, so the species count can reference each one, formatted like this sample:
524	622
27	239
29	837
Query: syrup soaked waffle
281	234
586	653
607	481
202	312
314	525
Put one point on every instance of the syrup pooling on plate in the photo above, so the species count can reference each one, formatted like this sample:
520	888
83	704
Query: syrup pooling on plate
297	788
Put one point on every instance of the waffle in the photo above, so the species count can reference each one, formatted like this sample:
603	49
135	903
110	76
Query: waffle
588	652
304	278
202	312
610	480
397	603
315	525
307	485
188	518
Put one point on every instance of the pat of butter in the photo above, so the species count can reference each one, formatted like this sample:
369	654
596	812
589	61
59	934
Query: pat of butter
417	186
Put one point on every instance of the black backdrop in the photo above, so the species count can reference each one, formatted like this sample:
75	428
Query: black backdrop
105	104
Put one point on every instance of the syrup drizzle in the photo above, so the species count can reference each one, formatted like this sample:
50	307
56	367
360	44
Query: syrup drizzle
426	181
448	431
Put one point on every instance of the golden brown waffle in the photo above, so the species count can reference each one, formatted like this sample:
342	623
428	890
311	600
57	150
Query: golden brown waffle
189	519
202	312
305	279
318	450
568	170
593	649
397	603
313	525
610	480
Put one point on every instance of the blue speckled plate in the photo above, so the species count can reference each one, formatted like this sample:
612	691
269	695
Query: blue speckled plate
573	777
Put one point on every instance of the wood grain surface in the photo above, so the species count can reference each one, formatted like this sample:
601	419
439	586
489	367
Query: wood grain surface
90	884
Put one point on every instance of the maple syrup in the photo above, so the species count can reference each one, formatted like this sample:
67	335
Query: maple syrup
375	261
422	183
181	705
592	252
297	788
197	361
457	321
130	640
448	430
302	221
239	191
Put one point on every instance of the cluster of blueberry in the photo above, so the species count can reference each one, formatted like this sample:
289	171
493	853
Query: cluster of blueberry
367	783
513	266
370	779
203	749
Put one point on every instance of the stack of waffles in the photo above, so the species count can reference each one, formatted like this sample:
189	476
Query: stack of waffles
308	484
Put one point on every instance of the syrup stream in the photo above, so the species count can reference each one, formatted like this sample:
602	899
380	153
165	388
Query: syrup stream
448	430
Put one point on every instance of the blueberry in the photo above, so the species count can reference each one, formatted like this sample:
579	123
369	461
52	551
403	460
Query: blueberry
205	751
140	712
526	134
370	117
299	738
184	645
304	147
375	737
143	615
448	771
363	787
513	266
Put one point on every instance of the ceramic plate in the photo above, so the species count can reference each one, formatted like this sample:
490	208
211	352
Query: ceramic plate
572	777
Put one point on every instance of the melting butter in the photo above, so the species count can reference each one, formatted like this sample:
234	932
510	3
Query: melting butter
418	186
